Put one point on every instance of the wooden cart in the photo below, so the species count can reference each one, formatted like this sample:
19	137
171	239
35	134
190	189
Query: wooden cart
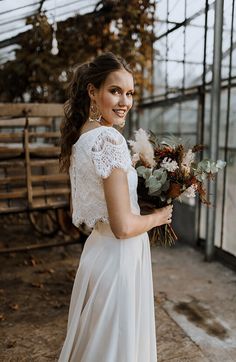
30	180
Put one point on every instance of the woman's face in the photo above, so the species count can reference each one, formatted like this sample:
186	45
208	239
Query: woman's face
115	97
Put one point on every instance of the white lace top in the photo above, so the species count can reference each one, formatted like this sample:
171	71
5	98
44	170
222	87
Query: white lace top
93	157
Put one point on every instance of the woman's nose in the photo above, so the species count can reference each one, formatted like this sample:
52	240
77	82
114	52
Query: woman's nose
124	101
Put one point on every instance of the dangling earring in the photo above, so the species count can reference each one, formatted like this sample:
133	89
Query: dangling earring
121	125
94	114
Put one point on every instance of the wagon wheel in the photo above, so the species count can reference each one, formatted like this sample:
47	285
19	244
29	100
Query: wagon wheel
65	222
45	222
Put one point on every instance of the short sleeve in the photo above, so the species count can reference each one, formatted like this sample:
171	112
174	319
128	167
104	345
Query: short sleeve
110	151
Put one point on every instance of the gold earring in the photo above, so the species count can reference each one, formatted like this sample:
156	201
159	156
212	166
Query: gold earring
121	125
94	114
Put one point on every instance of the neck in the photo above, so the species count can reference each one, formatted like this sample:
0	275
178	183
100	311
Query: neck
103	122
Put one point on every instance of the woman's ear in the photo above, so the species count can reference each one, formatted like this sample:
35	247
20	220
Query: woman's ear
91	91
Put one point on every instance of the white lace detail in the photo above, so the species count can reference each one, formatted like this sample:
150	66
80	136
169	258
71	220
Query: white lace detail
109	152
93	157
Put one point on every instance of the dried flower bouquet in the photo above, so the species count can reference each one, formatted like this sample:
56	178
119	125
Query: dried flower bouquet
167	170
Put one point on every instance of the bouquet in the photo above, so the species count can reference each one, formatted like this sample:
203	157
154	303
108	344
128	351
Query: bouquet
167	170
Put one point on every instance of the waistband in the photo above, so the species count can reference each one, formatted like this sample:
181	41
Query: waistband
103	228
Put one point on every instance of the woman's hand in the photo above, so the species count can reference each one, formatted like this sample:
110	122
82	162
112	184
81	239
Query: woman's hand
124	224
163	215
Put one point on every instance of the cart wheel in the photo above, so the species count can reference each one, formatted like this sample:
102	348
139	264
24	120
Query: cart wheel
65	223
45	222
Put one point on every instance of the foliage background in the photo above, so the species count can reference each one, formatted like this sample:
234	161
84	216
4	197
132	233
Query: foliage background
123	27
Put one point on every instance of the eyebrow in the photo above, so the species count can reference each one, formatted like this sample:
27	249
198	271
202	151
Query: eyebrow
117	86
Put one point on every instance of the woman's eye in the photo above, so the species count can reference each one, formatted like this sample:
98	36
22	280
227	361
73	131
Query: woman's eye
115	91
130	94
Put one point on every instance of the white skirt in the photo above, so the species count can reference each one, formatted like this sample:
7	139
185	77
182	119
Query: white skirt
111	315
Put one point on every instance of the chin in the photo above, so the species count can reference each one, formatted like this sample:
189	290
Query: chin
115	121
119	122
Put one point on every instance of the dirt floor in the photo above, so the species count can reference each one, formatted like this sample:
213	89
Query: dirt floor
35	290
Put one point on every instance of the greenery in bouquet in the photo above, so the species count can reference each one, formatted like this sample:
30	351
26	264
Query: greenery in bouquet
168	170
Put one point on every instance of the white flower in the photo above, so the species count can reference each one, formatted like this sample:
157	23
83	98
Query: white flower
187	160
142	146
220	164
169	164
190	191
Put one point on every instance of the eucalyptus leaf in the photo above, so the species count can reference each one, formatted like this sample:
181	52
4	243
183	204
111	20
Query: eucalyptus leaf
160	175
144	172
154	193
166	185
154	188
207	166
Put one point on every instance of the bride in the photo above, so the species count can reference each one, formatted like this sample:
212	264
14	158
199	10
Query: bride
111	315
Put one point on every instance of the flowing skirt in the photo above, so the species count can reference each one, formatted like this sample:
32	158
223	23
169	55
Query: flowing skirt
111	315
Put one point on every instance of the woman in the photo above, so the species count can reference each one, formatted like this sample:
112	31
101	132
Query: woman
111	315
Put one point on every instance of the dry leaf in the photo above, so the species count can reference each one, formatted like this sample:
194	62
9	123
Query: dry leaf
14	306
33	262
10	344
37	285
2	317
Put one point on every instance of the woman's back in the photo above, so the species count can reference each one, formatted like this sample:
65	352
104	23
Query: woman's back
94	155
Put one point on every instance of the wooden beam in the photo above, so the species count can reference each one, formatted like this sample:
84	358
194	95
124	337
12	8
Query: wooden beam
18	136
17	194
45	162
51	151
36	151
32	109
20	122
11	137
10	179
33	163
44	134
51	192
13	164
23	208
50	178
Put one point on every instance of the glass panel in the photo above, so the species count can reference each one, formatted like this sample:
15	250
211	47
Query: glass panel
233	70
176	45
209	54
223	116
175	74
194	44
219	204
179	119
158	78
176	10
194	6
232	129
230	205
161	8
193	74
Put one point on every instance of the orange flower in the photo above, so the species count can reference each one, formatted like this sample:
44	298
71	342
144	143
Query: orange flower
174	190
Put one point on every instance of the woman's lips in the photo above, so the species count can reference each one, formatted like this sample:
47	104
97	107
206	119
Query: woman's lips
119	112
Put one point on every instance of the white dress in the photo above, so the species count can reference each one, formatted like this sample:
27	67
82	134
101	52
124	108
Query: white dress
111	315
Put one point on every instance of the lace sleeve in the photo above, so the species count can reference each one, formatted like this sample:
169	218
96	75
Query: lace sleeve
110	151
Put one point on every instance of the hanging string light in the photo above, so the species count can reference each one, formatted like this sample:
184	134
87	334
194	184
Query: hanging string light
54	49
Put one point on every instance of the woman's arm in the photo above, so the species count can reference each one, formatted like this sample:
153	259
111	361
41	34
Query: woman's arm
124	224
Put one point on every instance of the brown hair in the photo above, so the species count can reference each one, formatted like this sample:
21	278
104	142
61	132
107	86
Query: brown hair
76	108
